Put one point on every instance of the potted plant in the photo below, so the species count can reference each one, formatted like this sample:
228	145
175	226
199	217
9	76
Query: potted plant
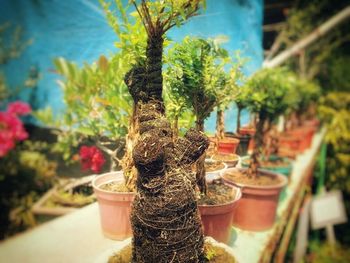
164	209
265	94
196	74
298	137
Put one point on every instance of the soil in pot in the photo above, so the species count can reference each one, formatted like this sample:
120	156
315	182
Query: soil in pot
274	163
256	210
211	166
114	205
230	159
218	193
241	177
217	208
213	253
115	186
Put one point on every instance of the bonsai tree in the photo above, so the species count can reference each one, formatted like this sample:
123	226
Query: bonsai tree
234	81
265	94
165	220
197	77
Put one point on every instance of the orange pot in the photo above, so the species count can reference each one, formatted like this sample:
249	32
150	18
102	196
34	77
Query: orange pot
114	207
256	210
217	219
228	145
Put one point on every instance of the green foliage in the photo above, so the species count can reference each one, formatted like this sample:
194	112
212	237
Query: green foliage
338	75
301	21
163	15
326	253
267	92
14	48
132	37
334	110
10	50
25	173
195	77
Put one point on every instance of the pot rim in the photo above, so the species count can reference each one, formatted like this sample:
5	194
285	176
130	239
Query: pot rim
283	178
97	187
236	198
289	162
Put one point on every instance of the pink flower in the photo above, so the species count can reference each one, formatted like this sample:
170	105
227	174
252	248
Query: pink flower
91	158
11	131
6	142
19	108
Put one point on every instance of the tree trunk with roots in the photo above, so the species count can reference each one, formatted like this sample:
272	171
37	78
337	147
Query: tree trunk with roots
259	141
220	124
165	218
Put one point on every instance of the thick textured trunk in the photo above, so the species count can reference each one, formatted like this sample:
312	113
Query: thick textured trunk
165	218
154	78
220	125
259	140
238	124
130	139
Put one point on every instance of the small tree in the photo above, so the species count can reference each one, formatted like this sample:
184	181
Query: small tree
234	82
165	219
265	94
196	75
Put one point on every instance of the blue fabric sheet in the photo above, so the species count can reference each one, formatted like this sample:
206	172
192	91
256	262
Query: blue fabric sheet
77	30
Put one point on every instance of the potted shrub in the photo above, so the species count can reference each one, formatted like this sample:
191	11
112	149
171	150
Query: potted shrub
196	74
265	94
298	137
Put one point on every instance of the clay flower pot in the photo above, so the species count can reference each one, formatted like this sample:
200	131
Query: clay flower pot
256	210
227	145
248	131
244	140
217	219
115	207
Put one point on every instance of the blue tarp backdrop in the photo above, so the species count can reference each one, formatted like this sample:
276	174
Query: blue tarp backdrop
77	30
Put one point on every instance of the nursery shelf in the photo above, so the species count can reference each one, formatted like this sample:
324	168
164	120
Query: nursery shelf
76	237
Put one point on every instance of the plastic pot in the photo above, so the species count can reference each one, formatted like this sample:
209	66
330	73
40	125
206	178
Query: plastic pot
256	210
217	219
114	207
212	175
227	145
244	140
281	169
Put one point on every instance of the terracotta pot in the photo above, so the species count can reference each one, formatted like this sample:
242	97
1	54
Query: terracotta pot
247	131
305	135
290	142
217	219
256	210
228	145
115	207
244	140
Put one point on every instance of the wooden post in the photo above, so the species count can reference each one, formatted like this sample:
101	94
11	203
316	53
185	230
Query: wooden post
301	44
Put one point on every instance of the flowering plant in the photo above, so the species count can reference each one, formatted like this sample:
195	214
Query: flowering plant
11	126
91	158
